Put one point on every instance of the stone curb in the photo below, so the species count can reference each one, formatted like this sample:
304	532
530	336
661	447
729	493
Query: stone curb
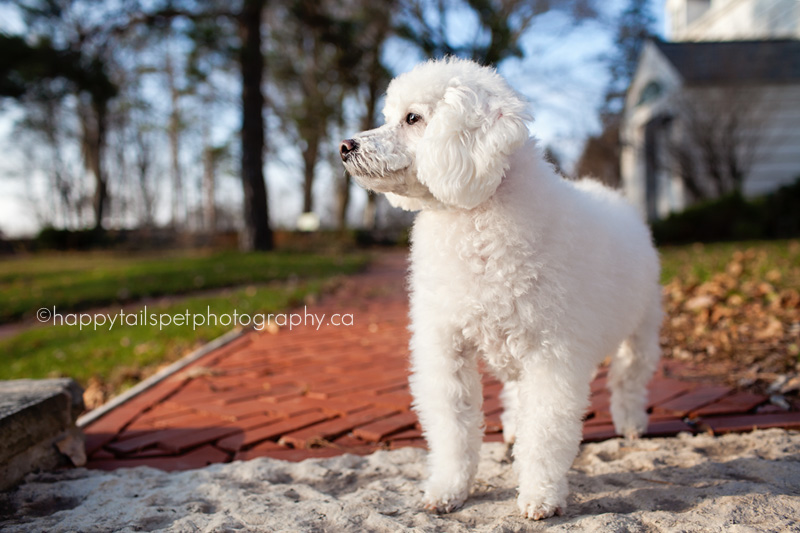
160	376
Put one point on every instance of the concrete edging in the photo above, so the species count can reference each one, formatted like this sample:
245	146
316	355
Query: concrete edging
159	376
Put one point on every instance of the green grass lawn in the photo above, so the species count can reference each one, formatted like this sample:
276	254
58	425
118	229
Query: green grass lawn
697	263
76	281
121	355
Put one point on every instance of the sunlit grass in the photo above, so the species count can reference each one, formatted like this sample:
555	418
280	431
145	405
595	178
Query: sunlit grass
122	353
75	281
119	355
698	263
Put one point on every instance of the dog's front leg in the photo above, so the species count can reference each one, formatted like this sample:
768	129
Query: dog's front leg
552	401
447	394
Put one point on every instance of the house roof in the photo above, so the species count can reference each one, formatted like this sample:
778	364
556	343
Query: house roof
735	62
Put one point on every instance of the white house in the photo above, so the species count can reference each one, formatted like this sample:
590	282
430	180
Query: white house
715	109
725	20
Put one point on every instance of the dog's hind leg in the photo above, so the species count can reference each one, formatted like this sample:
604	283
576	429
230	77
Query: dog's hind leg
632	367
510	399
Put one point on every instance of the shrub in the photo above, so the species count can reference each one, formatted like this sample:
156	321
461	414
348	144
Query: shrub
783	211
50	238
734	218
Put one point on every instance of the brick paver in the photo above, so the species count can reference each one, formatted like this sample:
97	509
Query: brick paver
305	392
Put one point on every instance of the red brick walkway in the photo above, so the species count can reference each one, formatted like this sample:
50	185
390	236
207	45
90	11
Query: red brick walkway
304	392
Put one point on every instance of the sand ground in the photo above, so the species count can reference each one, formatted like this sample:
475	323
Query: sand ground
732	483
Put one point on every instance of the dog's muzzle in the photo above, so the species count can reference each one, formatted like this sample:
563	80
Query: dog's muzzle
347	147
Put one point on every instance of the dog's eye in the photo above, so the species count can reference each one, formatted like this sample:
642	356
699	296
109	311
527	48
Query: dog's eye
412	118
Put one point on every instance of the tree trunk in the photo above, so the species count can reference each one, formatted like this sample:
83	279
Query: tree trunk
370	209
93	124
174	146
257	234
147	195
310	156
209	184
100	200
342	199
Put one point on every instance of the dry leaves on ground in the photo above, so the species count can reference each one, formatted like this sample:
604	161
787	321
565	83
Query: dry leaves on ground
741	325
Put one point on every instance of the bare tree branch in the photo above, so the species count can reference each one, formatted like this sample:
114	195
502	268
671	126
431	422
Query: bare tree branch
715	139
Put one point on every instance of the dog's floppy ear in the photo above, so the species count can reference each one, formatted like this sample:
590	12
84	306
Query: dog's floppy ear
464	151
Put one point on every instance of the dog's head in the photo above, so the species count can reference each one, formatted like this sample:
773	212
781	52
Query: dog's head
450	128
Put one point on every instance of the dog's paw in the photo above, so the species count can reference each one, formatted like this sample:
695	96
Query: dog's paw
509	429
443	503
632	433
630	425
536	509
632	430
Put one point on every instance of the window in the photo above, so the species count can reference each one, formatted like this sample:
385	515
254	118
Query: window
650	92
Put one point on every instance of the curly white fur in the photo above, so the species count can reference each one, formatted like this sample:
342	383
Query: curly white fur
539	276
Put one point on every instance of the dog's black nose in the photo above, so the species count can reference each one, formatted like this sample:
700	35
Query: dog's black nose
347	147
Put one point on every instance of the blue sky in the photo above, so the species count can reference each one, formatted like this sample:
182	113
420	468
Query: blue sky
562	75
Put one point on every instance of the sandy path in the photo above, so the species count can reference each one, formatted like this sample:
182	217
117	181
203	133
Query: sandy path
731	483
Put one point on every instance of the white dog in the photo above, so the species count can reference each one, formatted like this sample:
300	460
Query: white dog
540	276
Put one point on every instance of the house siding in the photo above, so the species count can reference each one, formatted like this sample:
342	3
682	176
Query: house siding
777	160
739	20
772	130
